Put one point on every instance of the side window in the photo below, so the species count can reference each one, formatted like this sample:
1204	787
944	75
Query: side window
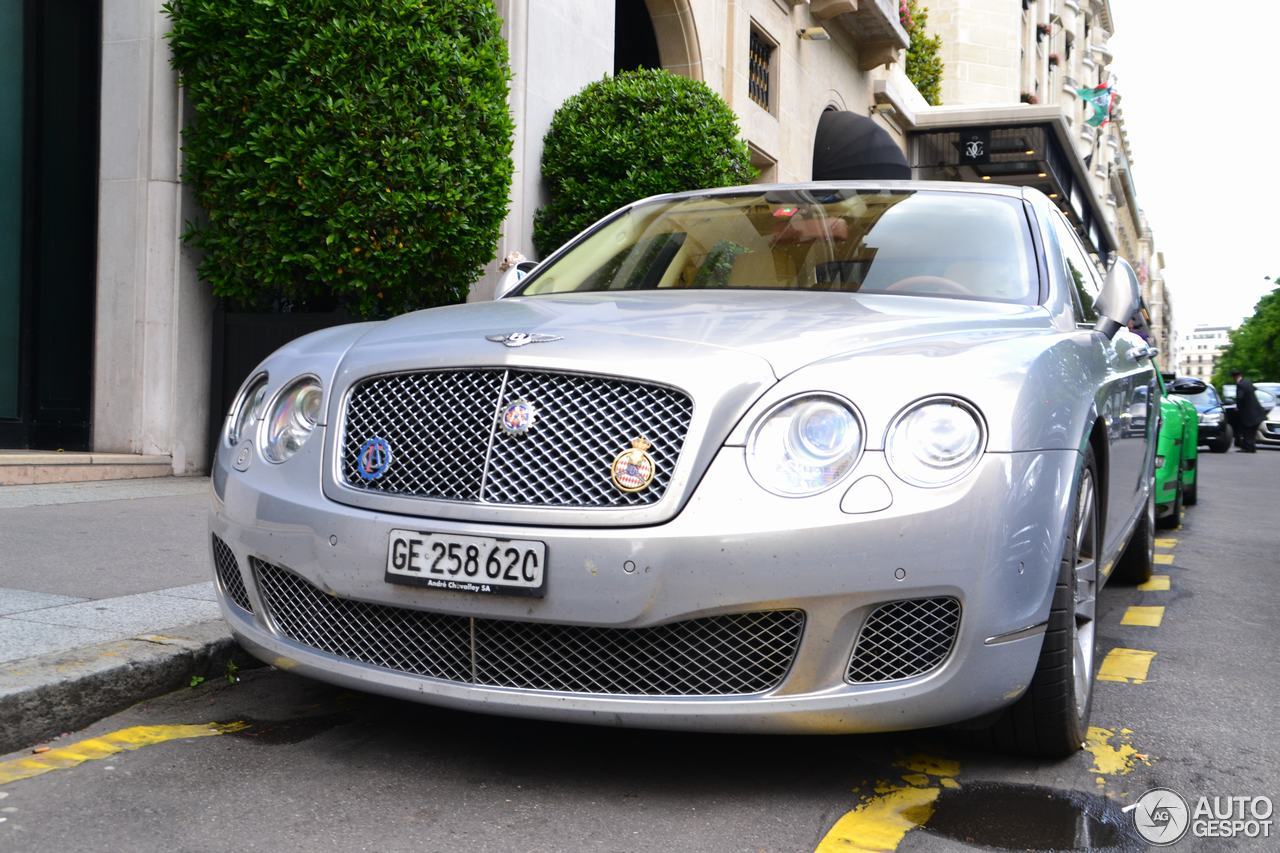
1077	267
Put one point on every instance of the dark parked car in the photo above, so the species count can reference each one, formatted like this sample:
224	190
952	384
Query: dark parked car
1268	397
1215	431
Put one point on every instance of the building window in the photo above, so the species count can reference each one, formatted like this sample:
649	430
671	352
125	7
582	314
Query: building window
760	85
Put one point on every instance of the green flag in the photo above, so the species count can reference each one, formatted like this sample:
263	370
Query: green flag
1101	99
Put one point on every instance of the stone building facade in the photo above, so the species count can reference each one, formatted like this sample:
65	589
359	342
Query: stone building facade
142	321
759	55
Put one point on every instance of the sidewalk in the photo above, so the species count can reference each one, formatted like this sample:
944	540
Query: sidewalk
105	600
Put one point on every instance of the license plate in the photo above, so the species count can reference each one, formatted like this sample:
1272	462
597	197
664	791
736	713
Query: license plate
467	563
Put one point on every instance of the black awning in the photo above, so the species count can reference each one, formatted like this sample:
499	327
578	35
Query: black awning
850	147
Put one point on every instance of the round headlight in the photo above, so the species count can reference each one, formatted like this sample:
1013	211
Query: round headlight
247	410
804	445
293	416
935	442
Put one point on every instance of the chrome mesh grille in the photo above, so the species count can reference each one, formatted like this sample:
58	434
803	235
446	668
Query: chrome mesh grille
446	443
438	425
903	639
735	654
229	577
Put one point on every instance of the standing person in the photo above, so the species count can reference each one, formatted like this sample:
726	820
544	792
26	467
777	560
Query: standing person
1249	411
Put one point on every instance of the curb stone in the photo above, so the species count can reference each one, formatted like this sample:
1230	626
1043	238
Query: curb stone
43	697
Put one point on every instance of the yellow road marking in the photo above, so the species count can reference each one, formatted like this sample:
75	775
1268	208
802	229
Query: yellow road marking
881	821
1113	753
929	764
1148	617
1164	559
1158	583
1127	665
109	744
1165	543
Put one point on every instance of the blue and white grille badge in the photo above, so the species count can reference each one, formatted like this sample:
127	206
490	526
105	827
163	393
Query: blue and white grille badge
374	458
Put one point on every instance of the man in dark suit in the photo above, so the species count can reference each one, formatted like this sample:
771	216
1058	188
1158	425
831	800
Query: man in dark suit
1249	412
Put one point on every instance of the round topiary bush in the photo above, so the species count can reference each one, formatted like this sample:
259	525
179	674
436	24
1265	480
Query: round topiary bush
626	137
345	152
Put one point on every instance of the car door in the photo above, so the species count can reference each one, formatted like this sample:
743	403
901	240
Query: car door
1127	398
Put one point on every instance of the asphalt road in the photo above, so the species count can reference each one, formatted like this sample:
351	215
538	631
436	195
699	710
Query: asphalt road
319	769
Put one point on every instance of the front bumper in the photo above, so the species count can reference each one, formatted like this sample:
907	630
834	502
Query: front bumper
992	542
1269	432
1212	433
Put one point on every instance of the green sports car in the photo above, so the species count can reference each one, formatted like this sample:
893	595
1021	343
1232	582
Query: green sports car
1176	453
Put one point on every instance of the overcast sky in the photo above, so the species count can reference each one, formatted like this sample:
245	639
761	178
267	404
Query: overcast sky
1199	85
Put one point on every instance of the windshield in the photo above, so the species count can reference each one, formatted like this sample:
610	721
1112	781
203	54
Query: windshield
950	244
1204	401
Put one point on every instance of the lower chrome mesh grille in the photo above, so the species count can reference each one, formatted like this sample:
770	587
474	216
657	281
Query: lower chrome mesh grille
903	639
228	569
735	654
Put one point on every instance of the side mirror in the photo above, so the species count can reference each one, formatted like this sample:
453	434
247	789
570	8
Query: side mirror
1188	386
1121	296
513	277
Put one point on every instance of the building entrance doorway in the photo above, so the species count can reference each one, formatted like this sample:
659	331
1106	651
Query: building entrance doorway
49	103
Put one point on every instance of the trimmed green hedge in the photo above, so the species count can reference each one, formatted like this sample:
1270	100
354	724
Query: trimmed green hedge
634	135
345	152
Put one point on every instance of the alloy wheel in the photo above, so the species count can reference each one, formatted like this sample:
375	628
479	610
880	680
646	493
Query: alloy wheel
1086	592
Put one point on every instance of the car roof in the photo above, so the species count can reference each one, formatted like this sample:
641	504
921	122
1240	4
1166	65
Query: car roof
932	186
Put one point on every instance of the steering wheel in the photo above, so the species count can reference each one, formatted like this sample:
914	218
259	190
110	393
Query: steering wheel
927	284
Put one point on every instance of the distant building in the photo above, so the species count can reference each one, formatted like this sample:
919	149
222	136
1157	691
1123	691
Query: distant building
1200	349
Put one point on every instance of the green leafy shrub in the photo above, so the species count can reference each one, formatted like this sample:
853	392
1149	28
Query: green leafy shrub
1254	348
637	134
345	152
924	65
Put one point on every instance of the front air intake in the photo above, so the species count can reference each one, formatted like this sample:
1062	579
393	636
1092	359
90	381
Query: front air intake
903	639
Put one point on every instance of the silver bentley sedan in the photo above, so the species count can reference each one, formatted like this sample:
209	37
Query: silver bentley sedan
829	457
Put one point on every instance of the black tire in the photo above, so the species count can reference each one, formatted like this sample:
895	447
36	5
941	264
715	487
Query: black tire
1174	518
1223	444
1051	719
1189	492
1136	563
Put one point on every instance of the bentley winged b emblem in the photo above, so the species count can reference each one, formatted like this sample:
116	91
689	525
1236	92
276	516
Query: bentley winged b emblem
519	339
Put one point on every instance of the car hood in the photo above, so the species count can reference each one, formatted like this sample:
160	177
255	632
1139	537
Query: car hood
786	329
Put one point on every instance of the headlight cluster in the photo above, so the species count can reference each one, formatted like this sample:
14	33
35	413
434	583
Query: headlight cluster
935	442
1211	418
294	415
807	444
247	411
286	427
